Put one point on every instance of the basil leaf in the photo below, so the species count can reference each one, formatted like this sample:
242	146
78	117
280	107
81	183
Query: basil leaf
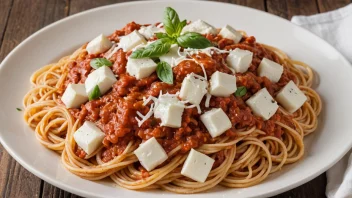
95	94
156	49
99	62
161	35
241	91
171	21
18	109
181	25
164	72
193	40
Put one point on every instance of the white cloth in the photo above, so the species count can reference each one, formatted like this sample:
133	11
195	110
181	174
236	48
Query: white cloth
336	28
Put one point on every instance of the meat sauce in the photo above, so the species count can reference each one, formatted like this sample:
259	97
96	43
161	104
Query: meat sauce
115	112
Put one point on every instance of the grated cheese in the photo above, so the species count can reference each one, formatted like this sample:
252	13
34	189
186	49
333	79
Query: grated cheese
112	51
146	117
162	98
207	100
160	25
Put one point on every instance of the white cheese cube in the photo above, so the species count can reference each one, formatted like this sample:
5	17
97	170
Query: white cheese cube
291	97
230	33
197	166
131	40
172	57
150	154
99	45
263	104
216	121
170	111
89	137
200	27
149	31
74	95
193	89
239	60
103	77
140	68
270	69
222	84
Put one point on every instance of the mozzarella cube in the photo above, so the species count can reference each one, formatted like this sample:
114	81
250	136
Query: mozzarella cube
263	104
149	31
291	97
222	84
131	40
197	166
170	111
103	77
89	137
239	60
193	89
200	27
150	154
140	68
230	33
99	45
270	69
74	95
172	57
216	121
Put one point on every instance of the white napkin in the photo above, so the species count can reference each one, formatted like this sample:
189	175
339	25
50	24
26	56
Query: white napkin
336	28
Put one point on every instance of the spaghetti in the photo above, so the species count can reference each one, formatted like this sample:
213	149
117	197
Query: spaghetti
244	156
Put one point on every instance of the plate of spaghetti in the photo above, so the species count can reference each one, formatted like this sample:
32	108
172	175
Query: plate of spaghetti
175	101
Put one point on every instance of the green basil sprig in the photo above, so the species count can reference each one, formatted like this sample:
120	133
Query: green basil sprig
100	62
156	49
172	24
161	35
173	28
164	72
193	40
95	94
18	109
241	91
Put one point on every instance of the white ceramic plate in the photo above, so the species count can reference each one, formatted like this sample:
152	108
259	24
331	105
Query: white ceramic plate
323	148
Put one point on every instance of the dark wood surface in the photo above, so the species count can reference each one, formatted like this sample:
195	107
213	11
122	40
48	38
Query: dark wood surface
21	18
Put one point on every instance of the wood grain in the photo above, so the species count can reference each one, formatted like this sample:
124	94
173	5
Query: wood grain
50	191
82	5
328	5
19	19
5	9
288	8
257	4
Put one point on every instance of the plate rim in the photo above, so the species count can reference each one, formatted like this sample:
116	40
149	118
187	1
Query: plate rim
80	192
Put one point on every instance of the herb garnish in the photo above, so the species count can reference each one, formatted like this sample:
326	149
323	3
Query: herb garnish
173	27
95	93
164	72
156	49
100	62
193	40
241	91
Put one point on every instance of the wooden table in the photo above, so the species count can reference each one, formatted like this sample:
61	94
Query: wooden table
21	18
